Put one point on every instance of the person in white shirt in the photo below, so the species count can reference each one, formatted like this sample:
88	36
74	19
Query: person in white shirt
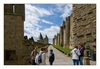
42	55
37	56
75	55
45	50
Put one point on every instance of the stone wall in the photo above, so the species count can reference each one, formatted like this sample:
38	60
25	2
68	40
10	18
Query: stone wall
67	31
71	42
55	40
43	40
61	36
58	35
64	34
13	32
80	27
84	18
28	47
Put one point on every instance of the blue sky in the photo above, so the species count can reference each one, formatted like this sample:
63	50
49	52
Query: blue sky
45	18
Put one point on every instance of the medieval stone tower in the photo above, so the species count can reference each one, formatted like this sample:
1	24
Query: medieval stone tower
43	40
46	40
40	39
61	35
14	16
79	27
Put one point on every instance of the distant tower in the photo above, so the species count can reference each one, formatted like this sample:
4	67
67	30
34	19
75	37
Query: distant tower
67	32
14	17
61	35
46	36
40	39
46	40
55	41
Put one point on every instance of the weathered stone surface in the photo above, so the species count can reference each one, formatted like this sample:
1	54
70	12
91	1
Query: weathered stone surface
13	32
85	20
58	39
80	27
67	31
61	36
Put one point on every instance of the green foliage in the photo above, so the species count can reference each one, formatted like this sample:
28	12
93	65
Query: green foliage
39	49
65	50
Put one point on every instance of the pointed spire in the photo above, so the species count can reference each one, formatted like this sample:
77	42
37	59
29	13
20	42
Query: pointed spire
46	36
54	36
40	37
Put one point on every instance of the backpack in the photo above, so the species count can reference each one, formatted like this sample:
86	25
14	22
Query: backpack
38	58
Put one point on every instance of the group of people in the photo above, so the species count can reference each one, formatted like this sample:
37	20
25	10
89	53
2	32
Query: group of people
78	54
39	58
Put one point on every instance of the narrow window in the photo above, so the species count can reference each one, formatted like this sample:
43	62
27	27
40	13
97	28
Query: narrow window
13	8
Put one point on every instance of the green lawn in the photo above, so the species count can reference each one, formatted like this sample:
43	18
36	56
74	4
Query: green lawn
65	50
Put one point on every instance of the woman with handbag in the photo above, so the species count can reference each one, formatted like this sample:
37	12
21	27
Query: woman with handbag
75	55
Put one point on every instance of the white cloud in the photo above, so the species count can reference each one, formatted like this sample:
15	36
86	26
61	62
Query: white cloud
27	32
50	32
37	10
33	16
60	7
47	22
67	11
64	9
31	24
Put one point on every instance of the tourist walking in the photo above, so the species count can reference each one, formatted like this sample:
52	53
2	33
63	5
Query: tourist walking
33	55
41	57
81	49
75	55
51	57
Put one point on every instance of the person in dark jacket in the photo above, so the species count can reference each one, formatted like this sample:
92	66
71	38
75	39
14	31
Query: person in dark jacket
51	57
82	48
